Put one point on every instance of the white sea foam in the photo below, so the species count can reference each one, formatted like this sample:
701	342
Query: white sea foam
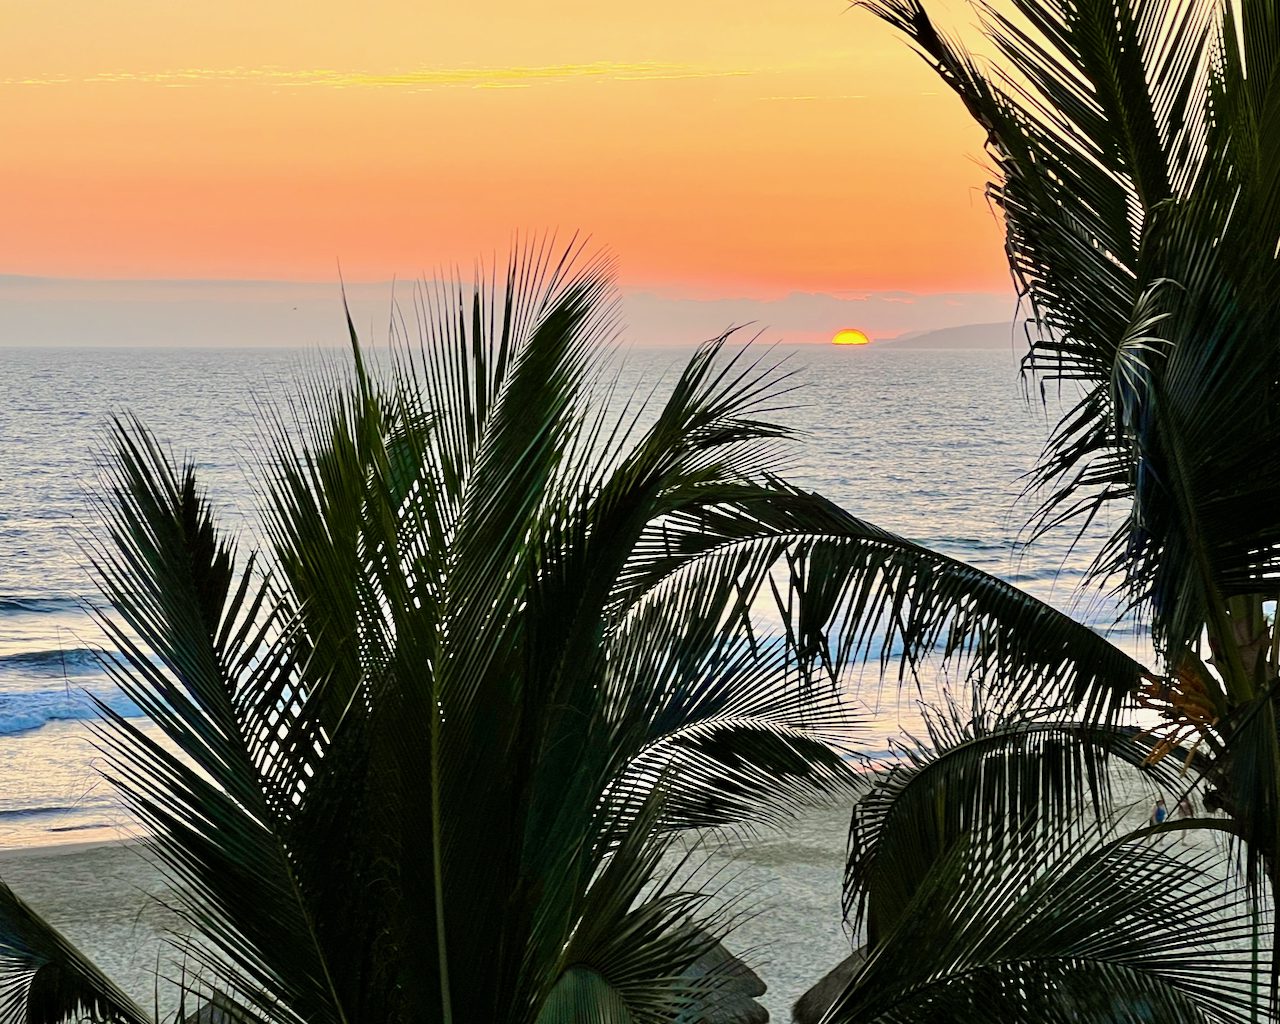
23	712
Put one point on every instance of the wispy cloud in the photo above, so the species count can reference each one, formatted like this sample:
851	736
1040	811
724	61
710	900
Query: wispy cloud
421	79
816	96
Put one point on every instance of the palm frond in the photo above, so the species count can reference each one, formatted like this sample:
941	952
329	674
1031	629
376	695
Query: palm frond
975	781
396	746
1081	927
215	820
850	592
47	980
646	946
724	713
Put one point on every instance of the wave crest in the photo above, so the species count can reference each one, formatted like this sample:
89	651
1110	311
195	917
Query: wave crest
72	660
23	712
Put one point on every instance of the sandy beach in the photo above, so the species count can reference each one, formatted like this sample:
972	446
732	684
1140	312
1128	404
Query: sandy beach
106	898
102	896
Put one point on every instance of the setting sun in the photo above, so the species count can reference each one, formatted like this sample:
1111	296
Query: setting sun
850	337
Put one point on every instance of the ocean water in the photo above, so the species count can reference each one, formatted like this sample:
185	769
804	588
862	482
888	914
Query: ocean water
930	444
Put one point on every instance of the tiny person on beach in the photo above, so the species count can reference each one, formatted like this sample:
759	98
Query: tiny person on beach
1185	809
1159	813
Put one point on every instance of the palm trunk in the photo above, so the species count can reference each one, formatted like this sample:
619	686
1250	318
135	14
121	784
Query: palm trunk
1248	656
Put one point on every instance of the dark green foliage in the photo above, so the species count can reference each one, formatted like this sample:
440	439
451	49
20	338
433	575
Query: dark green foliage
993	888
421	757
1138	173
977	778
44	979
1074	928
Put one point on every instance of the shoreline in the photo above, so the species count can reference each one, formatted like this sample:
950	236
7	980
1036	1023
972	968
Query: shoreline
71	847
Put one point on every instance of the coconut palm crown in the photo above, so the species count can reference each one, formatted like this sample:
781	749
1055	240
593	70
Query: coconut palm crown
421	754
1138	177
991	877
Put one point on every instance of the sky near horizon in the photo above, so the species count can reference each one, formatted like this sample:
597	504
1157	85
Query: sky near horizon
750	150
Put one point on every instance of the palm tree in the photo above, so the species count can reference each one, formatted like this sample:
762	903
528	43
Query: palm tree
1139	182
426	763
1137	173
422	755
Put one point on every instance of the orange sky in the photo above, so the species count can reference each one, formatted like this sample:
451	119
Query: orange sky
721	147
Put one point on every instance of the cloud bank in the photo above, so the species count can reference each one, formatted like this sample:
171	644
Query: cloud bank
53	311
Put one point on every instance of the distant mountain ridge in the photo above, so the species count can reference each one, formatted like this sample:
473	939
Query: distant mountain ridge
1001	335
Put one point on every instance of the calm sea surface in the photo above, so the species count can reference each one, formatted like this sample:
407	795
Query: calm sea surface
930	444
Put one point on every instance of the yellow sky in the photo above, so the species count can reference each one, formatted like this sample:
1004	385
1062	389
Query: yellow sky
752	147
